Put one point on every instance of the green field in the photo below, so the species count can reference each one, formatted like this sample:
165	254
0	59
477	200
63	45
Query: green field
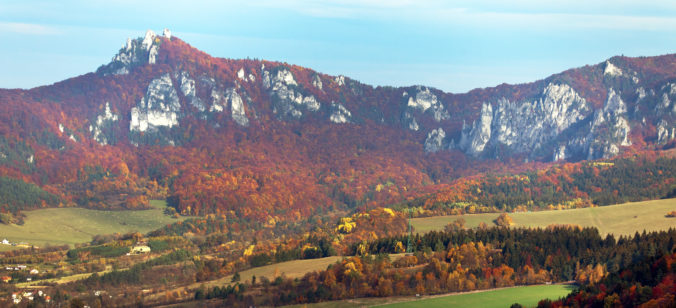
621	219
527	296
58	226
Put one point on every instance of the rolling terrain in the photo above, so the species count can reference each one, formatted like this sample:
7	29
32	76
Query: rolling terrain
167	172
59	226
619	220
256	140
526	296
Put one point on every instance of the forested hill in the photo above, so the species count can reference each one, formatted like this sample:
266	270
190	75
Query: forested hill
270	141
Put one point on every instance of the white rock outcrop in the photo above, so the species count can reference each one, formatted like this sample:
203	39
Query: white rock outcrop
560	153
525	126
612	70
187	87
665	132
425	100
435	140
222	100
475	138
160	107
340	80
134	53
340	114
317	82
608	130
103	125
413	125
148	40
287	99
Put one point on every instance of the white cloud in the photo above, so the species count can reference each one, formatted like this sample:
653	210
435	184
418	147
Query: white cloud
488	19
26	28
571	14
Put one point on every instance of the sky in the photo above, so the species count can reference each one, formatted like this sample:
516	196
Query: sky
455	46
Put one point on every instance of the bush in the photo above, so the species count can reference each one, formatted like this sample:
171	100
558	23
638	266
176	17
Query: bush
504	220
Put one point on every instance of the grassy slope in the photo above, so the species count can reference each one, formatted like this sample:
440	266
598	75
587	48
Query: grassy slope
527	296
58	226
621	219
289	269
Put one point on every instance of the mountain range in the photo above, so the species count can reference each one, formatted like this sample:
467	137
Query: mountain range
274	141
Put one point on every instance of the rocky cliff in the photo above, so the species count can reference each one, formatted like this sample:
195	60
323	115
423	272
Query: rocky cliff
264	129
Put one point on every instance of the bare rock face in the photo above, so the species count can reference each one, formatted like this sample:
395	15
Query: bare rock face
665	132
665	111
317	82
230	101
340	80
222	100
474	138
610	129
435	140
611	70
288	101
134	53
189	90
422	101
560	153
425	100
242	76
525	126
340	114
548	120
158	109
103	127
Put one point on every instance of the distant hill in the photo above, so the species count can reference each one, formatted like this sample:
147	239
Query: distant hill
271	141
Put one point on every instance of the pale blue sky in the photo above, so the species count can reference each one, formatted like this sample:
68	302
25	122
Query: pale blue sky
452	45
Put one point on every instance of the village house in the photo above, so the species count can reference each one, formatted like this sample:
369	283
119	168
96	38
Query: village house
16	298
139	249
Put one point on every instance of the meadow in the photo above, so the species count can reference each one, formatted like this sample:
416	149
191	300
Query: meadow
289	269
59	226
620	219
528	296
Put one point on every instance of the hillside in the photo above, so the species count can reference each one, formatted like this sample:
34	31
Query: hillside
255	140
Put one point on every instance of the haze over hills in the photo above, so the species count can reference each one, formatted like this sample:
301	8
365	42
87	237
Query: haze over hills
273	141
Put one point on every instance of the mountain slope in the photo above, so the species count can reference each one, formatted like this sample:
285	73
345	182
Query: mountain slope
271	141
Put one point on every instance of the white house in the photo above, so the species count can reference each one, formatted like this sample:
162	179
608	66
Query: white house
139	249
